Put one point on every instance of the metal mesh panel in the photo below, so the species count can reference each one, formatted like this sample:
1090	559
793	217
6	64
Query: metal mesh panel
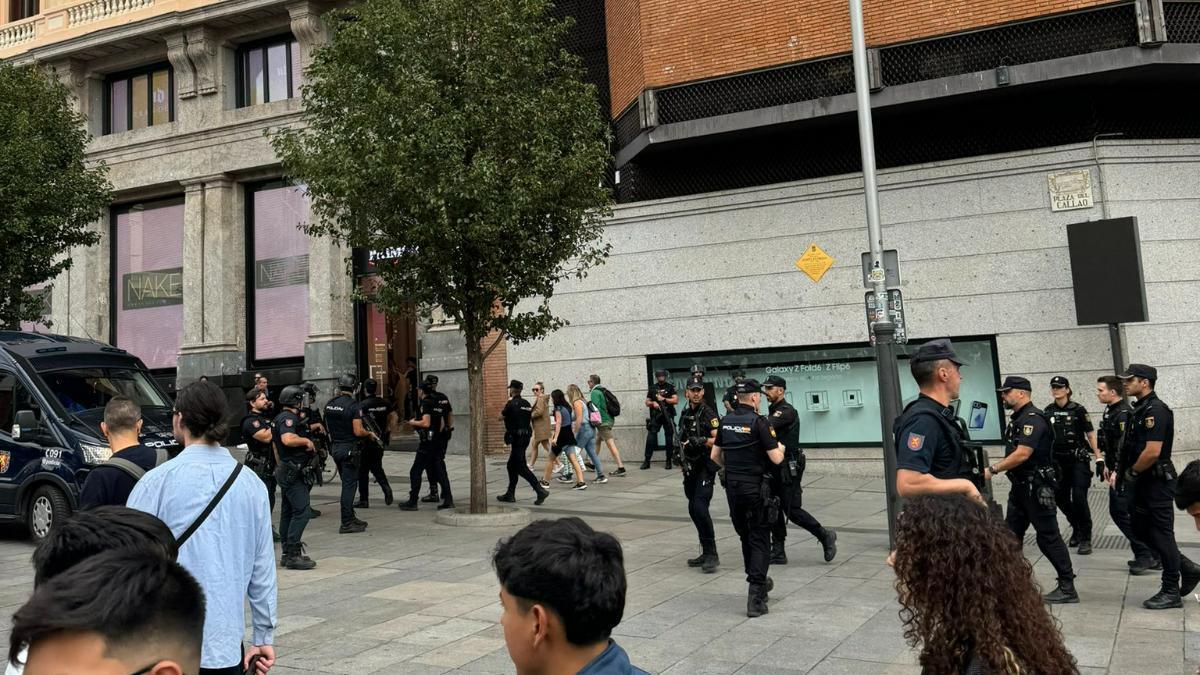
1039	40
627	126
1183	21
760	89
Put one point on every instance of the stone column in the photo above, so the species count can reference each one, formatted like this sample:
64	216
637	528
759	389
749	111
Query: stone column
214	288
329	349
80	296
308	27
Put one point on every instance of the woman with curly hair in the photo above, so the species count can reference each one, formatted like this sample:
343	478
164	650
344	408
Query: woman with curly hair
968	596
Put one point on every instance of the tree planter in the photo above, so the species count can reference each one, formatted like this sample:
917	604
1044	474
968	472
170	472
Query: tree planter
497	516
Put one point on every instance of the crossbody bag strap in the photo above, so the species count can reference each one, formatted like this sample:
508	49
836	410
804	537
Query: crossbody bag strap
209	509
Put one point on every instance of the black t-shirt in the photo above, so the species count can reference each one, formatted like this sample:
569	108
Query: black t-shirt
340	413
378	410
109	485
288	422
922	442
744	439
667	390
429	436
252	424
786	422
1151	420
444	410
1028	426
516	414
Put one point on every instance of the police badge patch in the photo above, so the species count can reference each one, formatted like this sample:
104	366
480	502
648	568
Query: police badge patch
1027	430
715	422
256	424
1149	422
915	441
289	423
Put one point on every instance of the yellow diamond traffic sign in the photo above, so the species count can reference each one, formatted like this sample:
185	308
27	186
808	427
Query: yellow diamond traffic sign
815	263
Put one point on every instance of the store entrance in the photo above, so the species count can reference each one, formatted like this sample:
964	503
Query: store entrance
386	345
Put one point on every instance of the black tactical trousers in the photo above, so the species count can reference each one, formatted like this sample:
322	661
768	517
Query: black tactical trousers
348	472
266	473
790	498
1120	512
659	422
517	468
294	510
1025	509
698	488
1154	522
436	472
748	512
425	461
1074	478
371	464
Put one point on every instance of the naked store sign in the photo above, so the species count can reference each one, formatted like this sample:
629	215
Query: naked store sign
156	288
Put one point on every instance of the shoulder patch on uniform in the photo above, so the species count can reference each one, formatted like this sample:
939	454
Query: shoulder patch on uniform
1122	425
915	441
1027	430
257	424
715	422
288	422
772	430
1149	422
777	413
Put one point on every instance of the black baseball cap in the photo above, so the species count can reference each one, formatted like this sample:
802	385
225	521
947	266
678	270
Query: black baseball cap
516	384
431	379
695	384
936	350
1059	381
775	381
1015	382
1139	370
747	386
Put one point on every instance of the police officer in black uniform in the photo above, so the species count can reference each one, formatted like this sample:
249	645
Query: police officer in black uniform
1074	448
1110	392
256	433
293	453
429	426
517	432
730	398
1029	460
698	426
344	418
745	447
660	402
786	476
436	470
1148	475
378	414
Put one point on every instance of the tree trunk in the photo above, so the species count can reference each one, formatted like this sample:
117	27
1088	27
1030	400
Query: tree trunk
479	501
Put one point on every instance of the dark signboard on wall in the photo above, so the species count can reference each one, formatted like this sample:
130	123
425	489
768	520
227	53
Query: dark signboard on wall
1106	271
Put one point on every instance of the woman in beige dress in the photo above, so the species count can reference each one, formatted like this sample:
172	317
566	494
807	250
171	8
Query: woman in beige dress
542	419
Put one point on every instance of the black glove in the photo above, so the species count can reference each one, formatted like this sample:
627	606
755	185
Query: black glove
1100	469
449	433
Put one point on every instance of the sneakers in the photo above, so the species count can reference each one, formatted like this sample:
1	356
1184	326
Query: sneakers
430	498
1165	599
829	543
565	479
601	480
580	486
589	466
544	484
541	497
352	527
507	497
620	471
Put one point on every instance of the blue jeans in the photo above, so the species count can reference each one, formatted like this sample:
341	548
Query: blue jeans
586	439
349	476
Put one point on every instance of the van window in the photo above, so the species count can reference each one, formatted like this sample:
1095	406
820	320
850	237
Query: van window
13	397
85	389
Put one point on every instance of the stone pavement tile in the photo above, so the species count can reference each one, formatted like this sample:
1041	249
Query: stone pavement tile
413	668
1139	650
698	665
497	662
1077	620
292	623
423	590
446	632
387	656
460	652
400	627
856	570
878	639
1093	652
465	605
836	666
321	655
1191	647
1164	620
834	482
792	653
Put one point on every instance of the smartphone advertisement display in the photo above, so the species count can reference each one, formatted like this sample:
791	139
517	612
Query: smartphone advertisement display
835	389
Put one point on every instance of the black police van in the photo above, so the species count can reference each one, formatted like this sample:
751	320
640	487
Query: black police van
53	389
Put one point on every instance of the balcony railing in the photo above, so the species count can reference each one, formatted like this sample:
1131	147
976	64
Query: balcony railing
96	10
17	32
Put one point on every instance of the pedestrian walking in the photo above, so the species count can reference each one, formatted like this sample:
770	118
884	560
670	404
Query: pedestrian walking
517	433
542	419
564	442
428	426
1113	423
111	482
585	433
602	399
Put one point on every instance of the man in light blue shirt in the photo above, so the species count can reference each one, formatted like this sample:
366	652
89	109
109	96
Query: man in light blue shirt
231	554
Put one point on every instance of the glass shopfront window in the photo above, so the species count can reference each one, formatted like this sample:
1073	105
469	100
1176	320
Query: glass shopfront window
147	283
835	389
278	270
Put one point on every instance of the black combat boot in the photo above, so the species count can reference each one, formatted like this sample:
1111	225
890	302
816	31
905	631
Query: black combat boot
1074	541
829	543
778	554
299	561
711	560
767	588
756	604
387	492
645	465
362	504
431	498
507	497
352	528
1085	547
668	466
1189	575
448	504
1140	566
698	560
1167	598
1063	595
286	558
411	504
542	493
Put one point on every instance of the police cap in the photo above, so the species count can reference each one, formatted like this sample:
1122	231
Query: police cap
775	381
431	379
698	370
936	350
739	374
1139	370
747	386
1059	381
347	382
661	372
516	384
291	396
1015	382
695	384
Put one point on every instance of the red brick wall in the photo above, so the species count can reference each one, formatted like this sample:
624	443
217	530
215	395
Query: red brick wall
682	41
495	394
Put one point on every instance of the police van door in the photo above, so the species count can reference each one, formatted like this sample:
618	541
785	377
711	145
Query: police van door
14	455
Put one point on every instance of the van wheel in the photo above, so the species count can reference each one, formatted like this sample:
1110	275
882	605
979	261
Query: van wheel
47	508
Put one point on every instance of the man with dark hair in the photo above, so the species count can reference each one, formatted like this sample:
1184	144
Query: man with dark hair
344	417
1187	491
729	400
929	452
428	424
562	587
1113	422
102	529
435	470
382	414
1149	475
203	494
256	434
112	481
115	613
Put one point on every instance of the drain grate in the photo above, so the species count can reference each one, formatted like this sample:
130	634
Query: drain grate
1098	502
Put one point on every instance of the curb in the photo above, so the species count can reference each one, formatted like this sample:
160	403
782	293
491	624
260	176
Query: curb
496	516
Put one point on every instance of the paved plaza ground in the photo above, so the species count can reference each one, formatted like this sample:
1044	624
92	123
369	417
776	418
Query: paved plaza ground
411	596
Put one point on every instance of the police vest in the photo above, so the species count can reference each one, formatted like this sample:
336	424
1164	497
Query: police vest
339	419
964	454
1064	427
694	437
1111	430
738	444
1042	455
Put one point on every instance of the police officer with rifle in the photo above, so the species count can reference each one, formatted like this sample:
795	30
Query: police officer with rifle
698	426
295	455
1074	447
257	434
1029	462
660	402
314	428
379	417
746	446
347	431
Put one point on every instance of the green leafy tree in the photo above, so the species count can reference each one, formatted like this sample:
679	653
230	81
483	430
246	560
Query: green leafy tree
460	136
49	193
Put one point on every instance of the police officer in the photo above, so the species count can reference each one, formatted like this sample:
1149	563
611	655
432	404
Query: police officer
293	453
380	415
429	426
1149	477
698	426
256	433
517	432
745	447
344	418
1028	459
660	400
436	469
1110	392
786	476
930	457
1074	445
730	398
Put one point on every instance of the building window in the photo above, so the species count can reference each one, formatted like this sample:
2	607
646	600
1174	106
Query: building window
22	9
277	272
147	281
138	99
268	71
835	388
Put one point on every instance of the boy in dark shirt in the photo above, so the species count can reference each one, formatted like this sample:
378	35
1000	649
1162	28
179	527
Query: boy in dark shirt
110	483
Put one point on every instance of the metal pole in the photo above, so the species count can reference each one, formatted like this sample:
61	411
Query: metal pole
1118	350
884	330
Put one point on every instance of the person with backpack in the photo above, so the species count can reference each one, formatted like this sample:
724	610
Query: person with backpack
584	425
110	483
609	407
